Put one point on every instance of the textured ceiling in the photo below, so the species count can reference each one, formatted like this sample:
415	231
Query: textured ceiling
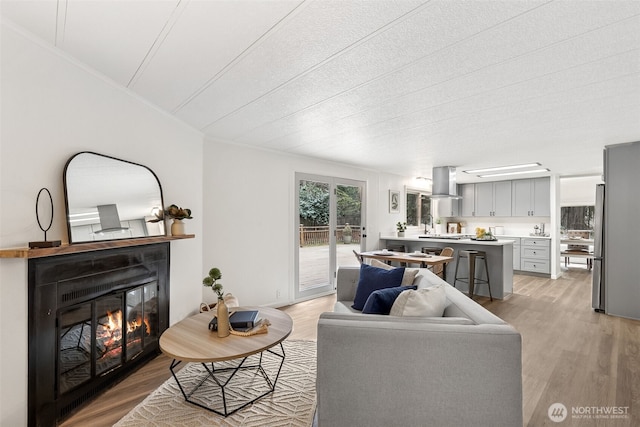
399	86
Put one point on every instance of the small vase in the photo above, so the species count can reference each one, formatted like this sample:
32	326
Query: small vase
177	227
223	319
400	233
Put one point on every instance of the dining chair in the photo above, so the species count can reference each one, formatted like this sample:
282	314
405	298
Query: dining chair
439	269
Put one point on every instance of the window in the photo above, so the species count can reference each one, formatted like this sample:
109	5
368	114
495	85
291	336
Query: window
576	218
418	208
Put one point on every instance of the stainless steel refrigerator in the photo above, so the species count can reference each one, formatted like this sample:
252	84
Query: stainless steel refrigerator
617	278
597	299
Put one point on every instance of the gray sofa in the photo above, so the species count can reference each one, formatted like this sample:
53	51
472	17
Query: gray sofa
463	369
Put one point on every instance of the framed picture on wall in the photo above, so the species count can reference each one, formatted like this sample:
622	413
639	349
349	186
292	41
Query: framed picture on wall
394	201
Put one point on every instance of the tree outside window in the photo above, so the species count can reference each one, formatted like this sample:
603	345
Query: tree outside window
577	218
418	208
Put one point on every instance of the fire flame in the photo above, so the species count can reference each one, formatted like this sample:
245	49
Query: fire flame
135	324
112	328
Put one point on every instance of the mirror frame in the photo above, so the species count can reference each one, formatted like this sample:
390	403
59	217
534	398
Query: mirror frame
66	197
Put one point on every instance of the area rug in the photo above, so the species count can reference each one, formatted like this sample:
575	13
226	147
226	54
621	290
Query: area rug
293	402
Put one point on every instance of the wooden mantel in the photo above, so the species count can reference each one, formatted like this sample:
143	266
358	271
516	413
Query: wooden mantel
87	247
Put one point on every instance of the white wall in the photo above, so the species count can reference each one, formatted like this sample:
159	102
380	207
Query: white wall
579	191
249	231
53	108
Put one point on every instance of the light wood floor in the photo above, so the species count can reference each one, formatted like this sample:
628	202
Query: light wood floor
571	354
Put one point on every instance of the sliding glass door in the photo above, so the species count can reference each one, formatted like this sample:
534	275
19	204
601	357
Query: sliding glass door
329	227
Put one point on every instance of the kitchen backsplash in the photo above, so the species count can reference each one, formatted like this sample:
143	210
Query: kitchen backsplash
511	226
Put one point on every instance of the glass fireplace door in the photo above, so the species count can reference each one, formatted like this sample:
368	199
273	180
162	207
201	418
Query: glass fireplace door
109	333
141	318
99	336
74	347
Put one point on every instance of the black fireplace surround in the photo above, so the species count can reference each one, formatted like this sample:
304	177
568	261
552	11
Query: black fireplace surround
94	317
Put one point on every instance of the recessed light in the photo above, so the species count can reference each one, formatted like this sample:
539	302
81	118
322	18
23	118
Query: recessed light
503	168
491	175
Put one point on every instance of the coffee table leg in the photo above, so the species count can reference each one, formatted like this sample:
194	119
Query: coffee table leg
211	374
171	367
282	356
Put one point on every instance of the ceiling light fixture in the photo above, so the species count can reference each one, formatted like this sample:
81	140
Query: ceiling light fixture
503	168
423	177
491	175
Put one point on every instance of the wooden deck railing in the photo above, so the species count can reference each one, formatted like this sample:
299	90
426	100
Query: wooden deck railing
319	235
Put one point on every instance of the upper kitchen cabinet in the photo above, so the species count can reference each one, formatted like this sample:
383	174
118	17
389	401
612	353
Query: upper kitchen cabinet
531	197
447	207
493	198
468	203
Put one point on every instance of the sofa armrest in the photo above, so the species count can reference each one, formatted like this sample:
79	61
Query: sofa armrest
346	283
416	374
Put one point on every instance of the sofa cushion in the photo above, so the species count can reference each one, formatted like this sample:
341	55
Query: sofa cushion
371	279
381	301
429	302
409	273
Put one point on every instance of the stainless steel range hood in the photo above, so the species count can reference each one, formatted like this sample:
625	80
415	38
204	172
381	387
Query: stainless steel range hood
444	183
109	219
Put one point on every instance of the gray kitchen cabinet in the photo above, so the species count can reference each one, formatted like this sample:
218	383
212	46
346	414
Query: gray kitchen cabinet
541	197
516	252
493	198
531	197
468	203
484	199
502	198
448	207
535	255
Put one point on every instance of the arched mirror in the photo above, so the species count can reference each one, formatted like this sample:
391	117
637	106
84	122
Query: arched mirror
109	198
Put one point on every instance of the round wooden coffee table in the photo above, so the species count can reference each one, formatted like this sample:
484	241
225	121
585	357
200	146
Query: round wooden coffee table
190	340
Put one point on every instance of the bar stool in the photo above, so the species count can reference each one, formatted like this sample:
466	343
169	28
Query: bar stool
471	257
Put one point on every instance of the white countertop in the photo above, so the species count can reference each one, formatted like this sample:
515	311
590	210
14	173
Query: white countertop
466	241
522	236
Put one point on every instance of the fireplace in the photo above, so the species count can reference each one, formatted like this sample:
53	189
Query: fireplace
93	318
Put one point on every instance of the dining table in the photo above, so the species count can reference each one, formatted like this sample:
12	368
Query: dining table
577	248
410	258
580	241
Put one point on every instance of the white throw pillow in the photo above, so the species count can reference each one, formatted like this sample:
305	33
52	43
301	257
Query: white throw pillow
409	273
426	302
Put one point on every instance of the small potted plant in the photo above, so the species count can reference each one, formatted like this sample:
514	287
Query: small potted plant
177	214
222	312
401	227
347	233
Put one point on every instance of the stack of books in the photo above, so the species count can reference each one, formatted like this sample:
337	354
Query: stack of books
242	321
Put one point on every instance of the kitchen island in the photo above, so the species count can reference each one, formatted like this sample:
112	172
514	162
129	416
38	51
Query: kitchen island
499	259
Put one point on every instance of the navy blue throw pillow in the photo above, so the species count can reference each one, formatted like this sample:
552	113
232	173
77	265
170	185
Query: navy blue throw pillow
373	278
381	301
